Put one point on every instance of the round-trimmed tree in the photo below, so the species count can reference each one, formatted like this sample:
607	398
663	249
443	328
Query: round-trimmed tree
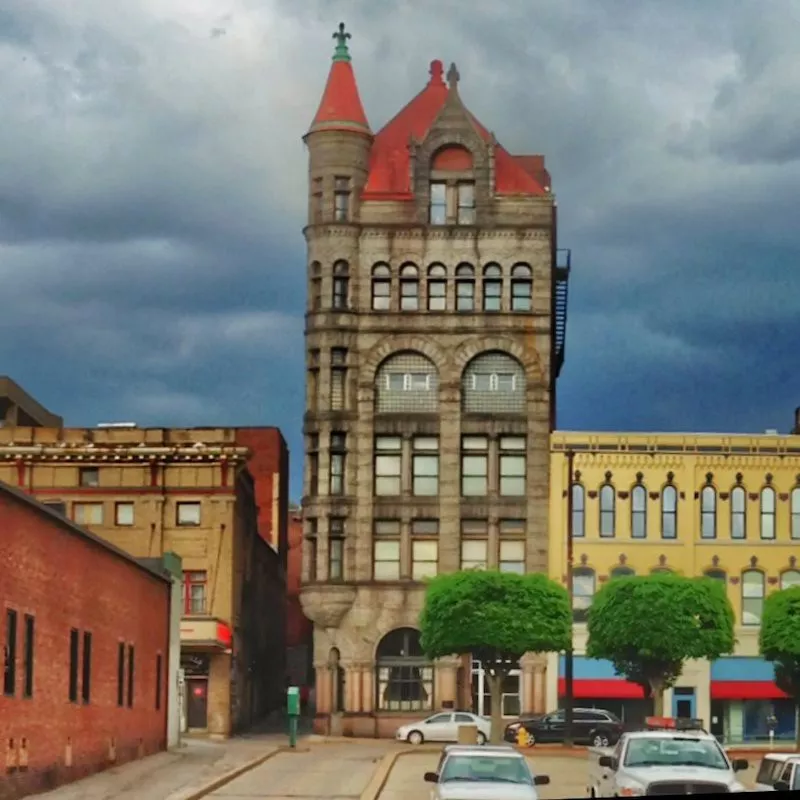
496	617
649	625
779	641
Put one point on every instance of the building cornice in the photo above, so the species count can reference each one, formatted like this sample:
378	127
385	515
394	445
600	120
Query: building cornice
142	454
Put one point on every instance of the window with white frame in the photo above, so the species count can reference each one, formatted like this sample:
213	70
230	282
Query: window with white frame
790	578
188	513
795	513
492	288
493	383
425	466
338	458
512	556
753	590
465	287
474	543
407	383
512	466
409	288
578	511
123	514
607	501
437	288
669	512
583	588
474	466
438	203
521	288
381	287
388	466
708	513
768	513
465	198
386	550
638	512
738	501
424	548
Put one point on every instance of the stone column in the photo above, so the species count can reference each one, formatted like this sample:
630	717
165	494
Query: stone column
323	688
532	685
449	473
446	679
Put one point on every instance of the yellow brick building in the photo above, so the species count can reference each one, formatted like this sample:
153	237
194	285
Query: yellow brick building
723	505
151	491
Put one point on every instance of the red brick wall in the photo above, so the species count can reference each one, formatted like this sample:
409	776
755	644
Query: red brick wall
298	627
270	458
67	582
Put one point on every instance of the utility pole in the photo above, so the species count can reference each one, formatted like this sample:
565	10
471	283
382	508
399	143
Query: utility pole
569	699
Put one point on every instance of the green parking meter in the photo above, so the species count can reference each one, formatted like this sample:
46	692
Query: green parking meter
293	709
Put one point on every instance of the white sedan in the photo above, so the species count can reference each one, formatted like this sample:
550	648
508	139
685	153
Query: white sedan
443	727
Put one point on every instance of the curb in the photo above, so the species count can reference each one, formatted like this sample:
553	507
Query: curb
379	778
232	774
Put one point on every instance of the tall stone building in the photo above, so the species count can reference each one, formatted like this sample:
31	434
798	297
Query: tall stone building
434	337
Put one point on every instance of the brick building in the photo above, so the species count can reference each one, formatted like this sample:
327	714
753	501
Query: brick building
434	336
188	491
299	629
85	661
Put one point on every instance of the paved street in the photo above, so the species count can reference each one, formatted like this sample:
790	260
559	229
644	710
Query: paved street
327	771
568	776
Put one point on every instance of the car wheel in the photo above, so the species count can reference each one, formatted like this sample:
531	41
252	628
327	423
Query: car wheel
415	737
481	737
600	739
531	739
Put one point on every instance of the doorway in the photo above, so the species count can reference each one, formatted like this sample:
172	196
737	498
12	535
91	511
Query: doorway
197	703
684	702
511	697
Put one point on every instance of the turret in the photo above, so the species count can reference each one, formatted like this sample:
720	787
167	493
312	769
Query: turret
339	142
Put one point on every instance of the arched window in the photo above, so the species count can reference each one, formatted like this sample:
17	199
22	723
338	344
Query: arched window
341	285
789	578
493	382
795	532
583	588
669	512
409	288
381	287
465	288
404	677
607	499
767	513
437	288
315	295
716	574
708	513
622	571
521	288
752	596
738	513
492	288
638	512
578	511
407	383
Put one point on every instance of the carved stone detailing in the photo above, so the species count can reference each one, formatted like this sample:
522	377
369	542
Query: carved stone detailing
326	605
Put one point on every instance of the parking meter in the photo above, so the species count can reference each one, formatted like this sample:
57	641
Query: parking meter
293	710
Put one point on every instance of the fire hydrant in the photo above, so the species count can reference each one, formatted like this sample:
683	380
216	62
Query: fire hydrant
522	737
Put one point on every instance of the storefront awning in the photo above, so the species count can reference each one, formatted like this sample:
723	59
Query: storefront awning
745	690
612	688
205	634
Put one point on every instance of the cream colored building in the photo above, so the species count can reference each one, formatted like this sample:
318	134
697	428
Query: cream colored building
434	336
722	505
153	491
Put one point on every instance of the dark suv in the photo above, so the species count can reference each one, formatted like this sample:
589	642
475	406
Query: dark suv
593	726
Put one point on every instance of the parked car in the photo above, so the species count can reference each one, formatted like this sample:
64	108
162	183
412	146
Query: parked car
443	727
778	768
489	773
594	726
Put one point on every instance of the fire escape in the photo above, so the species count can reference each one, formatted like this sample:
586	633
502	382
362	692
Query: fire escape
560	287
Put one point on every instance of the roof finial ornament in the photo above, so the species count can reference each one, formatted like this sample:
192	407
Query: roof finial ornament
341	53
437	71
453	78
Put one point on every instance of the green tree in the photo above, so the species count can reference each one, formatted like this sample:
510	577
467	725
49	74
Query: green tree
779	641
496	617
647	626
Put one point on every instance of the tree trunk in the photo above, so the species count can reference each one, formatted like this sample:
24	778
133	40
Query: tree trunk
657	690
495	692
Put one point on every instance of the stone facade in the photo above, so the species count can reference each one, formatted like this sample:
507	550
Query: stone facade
353	403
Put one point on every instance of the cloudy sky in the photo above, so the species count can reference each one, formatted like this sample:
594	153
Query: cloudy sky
152	194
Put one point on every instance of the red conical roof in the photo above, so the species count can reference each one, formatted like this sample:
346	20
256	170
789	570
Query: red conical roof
340	108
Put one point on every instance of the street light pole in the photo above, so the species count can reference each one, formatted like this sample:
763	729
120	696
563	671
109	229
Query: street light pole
569	698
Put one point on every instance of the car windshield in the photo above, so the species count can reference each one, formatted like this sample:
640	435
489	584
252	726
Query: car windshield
502	769
657	751
795	787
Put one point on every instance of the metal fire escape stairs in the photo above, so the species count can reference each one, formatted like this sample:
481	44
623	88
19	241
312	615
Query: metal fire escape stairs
560	291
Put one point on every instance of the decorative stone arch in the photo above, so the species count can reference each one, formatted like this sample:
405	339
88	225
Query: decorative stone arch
390	345
481	344
402	670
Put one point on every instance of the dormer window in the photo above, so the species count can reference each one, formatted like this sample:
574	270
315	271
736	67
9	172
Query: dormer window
452	187
438	215
341	199
465	192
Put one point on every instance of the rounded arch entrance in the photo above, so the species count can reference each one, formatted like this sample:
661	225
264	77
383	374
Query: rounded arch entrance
403	675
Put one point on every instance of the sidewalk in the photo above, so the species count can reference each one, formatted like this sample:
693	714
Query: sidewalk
173	775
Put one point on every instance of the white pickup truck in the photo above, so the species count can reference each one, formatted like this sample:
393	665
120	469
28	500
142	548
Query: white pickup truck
672	756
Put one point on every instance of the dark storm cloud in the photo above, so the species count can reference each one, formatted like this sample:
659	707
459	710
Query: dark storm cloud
152	193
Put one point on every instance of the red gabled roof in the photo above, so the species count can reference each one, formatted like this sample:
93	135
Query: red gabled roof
389	174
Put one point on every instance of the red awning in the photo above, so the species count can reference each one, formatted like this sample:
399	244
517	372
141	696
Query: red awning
745	690
615	688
